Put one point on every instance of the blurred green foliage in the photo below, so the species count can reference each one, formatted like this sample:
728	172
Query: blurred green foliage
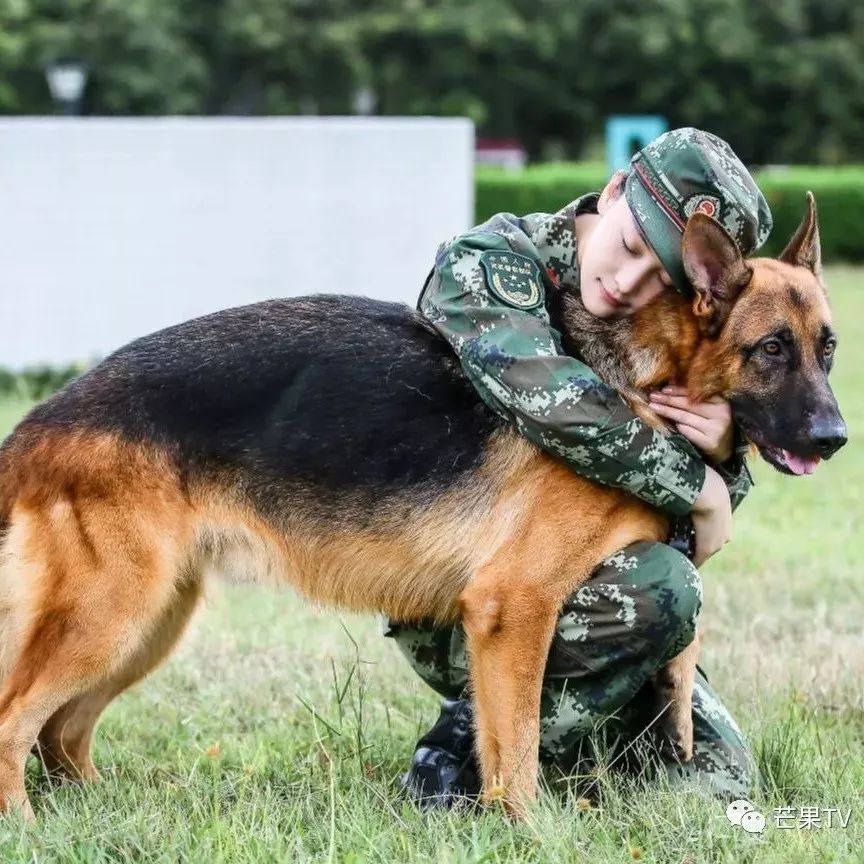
839	198
37	382
782	81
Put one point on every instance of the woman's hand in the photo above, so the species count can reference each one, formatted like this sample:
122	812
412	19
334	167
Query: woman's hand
708	425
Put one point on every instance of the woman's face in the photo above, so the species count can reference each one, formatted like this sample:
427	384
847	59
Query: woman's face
619	272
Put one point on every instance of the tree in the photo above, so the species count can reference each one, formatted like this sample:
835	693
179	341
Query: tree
781	81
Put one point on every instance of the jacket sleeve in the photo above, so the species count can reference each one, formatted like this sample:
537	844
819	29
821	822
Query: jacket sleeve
513	358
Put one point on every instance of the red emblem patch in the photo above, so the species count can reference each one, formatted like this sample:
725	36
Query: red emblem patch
705	206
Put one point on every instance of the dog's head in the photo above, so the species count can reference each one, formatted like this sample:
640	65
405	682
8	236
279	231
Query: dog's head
769	342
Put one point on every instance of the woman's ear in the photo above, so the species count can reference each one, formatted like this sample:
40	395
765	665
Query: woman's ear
612	190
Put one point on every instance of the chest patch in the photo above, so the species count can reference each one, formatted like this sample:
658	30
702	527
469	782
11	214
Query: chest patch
513	278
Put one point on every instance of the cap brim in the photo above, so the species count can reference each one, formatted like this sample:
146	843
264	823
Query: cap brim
658	231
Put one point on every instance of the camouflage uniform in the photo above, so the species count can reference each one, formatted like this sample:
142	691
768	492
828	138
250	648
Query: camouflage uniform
485	296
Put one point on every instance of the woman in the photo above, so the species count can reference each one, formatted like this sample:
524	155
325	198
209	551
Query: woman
620	249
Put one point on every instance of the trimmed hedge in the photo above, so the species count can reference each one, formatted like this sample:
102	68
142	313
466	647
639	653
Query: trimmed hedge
839	197
840	202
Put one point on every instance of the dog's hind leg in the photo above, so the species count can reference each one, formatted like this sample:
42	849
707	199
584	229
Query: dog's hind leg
104	573
72	649
65	740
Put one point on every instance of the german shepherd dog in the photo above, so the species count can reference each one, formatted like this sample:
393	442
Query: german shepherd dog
333	443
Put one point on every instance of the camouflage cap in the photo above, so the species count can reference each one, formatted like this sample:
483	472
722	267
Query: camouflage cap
685	171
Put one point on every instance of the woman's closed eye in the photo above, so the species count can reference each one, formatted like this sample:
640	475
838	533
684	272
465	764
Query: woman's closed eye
630	251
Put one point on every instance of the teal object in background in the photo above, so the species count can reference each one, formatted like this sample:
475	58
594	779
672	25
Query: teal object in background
627	133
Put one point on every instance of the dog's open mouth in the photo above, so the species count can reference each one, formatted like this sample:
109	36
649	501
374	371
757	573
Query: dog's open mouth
785	461
788	462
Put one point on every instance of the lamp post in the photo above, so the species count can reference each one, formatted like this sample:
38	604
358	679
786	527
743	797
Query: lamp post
66	81
364	101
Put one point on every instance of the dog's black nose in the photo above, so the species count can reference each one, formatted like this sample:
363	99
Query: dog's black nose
827	436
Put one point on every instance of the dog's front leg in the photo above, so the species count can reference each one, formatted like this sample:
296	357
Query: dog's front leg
673	687
509	623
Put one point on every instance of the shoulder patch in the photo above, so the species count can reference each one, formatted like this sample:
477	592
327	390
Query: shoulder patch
513	278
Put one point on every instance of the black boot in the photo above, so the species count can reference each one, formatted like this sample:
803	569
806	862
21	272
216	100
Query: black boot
444	771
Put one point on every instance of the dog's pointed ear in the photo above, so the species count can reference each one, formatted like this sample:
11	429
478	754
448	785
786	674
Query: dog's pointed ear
803	249
716	269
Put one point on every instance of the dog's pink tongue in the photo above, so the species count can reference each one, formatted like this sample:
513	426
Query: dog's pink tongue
799	465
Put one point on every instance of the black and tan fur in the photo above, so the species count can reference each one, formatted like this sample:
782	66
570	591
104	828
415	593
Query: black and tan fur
332	443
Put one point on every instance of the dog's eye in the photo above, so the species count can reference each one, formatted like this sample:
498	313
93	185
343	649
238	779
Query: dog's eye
830	345
772	348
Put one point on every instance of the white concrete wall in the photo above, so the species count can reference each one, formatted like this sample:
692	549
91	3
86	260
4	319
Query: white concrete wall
112	228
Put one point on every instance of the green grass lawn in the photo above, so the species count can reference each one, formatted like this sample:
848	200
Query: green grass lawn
277	732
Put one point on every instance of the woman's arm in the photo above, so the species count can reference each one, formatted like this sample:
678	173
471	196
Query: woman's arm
513	357
734	471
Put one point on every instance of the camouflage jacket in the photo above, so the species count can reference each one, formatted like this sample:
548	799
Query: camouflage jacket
487	302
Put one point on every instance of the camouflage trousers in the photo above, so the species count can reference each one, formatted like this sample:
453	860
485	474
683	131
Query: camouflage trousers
636	612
